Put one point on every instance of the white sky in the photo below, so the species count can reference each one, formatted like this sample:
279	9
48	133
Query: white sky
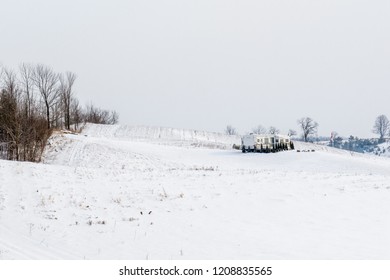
205	64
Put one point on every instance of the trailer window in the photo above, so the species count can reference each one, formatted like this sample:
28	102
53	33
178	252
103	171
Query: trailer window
266	140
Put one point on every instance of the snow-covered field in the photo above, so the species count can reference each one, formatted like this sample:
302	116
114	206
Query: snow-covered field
121	192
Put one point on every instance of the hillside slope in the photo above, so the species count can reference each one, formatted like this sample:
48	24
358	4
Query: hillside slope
119	192
162	135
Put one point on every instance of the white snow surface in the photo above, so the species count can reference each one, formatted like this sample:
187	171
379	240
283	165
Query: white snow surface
206	201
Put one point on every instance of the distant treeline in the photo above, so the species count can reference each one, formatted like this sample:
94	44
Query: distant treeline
34	100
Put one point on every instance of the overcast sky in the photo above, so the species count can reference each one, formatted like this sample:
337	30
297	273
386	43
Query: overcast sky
205	64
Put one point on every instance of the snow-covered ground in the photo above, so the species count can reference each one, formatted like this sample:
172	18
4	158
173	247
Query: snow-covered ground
122	192
383	150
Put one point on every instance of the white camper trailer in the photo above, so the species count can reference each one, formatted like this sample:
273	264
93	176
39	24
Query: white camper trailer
265	143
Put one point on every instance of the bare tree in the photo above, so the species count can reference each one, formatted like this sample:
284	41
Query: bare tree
114	117
96	115
381	127
333	136
46	80
308	127
66	91
28	112
27	83
57	114
76	113
273	130
259	130
26	117
10	117
292	133
230	130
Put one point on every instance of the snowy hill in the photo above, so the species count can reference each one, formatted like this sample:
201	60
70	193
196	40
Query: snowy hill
169	136
128	192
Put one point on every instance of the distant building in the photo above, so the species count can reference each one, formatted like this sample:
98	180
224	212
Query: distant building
266	143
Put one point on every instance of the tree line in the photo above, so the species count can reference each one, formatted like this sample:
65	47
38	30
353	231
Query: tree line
307	125
309	128
382	127
35	100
